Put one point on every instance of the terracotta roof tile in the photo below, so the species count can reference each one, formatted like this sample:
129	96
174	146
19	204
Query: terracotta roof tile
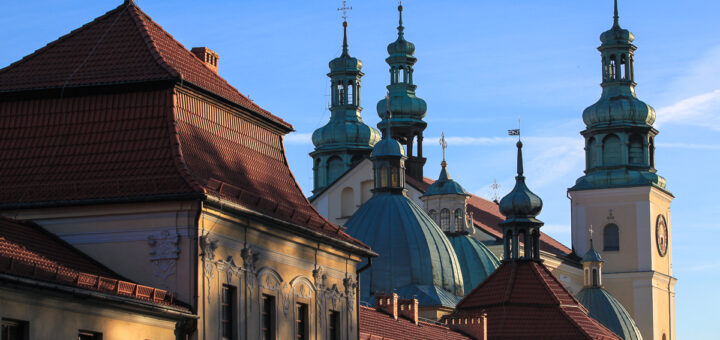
377	325
173	142
27	250
523	299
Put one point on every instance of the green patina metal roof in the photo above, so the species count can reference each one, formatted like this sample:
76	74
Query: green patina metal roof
607	310
445	185
521	204
592	255
388	147
414	254
476	260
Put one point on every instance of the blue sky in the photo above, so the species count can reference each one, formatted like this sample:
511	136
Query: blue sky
481	65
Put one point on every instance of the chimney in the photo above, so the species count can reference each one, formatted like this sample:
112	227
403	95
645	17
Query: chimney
207	56
473	325
409	309
387	303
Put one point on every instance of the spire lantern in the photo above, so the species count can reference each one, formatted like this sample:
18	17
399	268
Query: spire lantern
345	139
408	109
521	207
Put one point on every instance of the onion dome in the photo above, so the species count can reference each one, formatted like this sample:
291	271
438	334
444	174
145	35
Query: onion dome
388	147
592	255
445	185
520	204
345	134
345	62
476	260
616	35
401	46
415	256
619	106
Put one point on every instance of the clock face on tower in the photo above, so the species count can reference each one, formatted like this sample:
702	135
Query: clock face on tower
661	235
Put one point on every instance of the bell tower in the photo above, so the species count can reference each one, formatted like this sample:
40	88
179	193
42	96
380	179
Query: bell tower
407	109
622	195
345	139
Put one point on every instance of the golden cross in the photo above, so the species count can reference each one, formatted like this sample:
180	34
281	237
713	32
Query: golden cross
590	230
344	10
495	186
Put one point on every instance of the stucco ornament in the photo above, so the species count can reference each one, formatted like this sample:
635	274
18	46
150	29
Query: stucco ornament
164	252
248	258
208	247
334	295
350	286
286	293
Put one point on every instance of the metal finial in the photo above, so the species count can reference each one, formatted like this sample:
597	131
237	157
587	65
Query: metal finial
388	115
616	18
400	25
443	145
495	186
519	159
344	10
590	231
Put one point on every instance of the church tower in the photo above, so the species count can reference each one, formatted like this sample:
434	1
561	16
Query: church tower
622	196
345	140
407	109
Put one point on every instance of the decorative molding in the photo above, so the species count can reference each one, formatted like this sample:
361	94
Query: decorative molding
350	286
286	294
118	236
303	287
164	252
208	247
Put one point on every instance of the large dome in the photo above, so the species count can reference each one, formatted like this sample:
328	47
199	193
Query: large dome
608	311
619	106
476	260
415	256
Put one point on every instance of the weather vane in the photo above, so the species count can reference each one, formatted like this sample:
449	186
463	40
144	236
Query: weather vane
443	144
515	132
495	186
344	10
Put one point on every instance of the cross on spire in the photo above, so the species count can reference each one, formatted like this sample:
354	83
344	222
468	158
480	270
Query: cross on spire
590	231
344	10
495	186
443	145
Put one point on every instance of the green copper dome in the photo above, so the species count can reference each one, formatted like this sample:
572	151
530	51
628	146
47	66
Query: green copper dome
401	46
445	185
618	106
520	204
413	252
616	35
345	63
388	147
607	310
345	134
592	255
476	260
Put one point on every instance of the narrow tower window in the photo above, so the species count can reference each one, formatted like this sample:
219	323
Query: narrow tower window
611	150
445	219
341	94
434	215
459	225
611	68
622	71
635	150
350	98
611	238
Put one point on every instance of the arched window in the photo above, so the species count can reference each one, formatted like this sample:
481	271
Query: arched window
589	152
458	219
395	177
651	152
612	67
622	70
434	215
341	94
635	150
366	188
611	238
595	280
350	91
383	177
347	202
401	75
445	219
335	168
587	277
611	150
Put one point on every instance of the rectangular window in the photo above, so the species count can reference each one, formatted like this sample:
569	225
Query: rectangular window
15	329
89	335
334	325
268	317
228	311
301	315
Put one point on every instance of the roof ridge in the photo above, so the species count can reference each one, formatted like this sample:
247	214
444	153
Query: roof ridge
149	41
61	39
250	104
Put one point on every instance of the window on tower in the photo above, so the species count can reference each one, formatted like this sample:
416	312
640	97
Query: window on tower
611	150
635	150
611	238
341	94
445	219
612	68
434	215
350	99
458	219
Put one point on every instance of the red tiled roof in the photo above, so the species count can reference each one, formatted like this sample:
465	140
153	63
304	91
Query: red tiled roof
148	144
122	46
523	299
377	325
27	250
487	216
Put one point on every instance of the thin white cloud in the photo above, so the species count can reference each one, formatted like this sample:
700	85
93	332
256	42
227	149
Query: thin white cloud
700	110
